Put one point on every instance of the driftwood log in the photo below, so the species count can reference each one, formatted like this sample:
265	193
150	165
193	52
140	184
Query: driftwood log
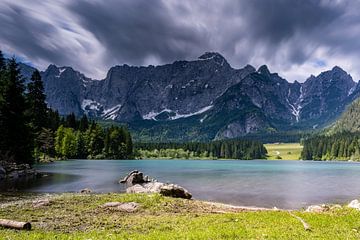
15	224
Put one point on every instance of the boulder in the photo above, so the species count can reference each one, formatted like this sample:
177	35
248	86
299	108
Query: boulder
125	207
140	184
40	203
86	190
318	208
168	190
354	204
135	177
137	188
152	187
173	190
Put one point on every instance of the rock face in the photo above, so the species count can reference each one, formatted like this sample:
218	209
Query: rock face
165	189
203	99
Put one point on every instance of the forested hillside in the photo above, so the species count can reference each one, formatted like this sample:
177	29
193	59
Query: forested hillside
228	149
339	142
340	146
349	120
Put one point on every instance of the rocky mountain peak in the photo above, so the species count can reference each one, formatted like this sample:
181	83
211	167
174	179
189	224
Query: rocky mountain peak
264	70
214	56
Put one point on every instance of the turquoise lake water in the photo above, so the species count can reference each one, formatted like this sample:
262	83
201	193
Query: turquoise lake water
284	184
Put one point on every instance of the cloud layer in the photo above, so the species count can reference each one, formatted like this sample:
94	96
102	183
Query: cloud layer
295	38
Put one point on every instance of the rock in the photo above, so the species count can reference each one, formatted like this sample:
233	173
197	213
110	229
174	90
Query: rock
40	203
173	190
354	204
141	184
336	206
126	207
135	177
168	190
86	190
318	208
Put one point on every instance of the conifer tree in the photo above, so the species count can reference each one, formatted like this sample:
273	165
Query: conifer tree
36	101
16	135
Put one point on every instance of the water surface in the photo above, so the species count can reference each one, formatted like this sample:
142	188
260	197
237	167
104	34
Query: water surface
284	184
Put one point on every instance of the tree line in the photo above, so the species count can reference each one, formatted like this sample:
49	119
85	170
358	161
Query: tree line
340	146
228	149
83	140
31	131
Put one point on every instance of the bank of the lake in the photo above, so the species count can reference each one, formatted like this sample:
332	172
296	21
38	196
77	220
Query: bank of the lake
83	216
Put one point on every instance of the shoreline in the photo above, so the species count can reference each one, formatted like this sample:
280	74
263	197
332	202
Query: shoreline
26	197
152	216
202	159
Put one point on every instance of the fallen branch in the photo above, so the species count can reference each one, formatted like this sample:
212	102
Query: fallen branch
306	226
15	225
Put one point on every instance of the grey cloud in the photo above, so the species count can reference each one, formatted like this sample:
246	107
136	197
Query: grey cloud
279	20
135	30
26	34
91	36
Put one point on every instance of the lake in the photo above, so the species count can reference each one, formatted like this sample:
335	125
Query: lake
262	183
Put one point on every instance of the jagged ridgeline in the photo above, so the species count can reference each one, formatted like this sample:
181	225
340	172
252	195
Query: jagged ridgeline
200	100
227	149
341	141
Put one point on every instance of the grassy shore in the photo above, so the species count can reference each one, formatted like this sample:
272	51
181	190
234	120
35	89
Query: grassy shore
285	151
76	216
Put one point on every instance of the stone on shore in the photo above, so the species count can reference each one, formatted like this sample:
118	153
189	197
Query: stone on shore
173	190
126	207
86	191
354	204
40	203
318	208
140	184
135	177
168	190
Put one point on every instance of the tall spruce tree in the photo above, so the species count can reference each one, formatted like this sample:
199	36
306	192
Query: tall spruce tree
2	84
36	101
17	139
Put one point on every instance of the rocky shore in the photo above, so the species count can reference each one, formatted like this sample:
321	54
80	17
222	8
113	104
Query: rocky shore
12	171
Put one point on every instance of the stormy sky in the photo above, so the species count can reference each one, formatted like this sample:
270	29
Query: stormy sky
295	38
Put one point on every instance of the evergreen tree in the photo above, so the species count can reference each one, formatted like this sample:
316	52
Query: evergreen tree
70	121
36	100
84	123
2	85
45	142
16	134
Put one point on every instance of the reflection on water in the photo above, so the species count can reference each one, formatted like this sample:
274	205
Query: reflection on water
24	184
284	184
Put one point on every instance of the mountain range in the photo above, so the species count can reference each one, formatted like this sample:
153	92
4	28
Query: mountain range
203	99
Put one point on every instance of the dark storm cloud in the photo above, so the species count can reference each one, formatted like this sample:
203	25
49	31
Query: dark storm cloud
278	20
291	36
27	34
275	21
135	30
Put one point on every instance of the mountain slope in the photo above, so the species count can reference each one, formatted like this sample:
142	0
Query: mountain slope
349	120
202	99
